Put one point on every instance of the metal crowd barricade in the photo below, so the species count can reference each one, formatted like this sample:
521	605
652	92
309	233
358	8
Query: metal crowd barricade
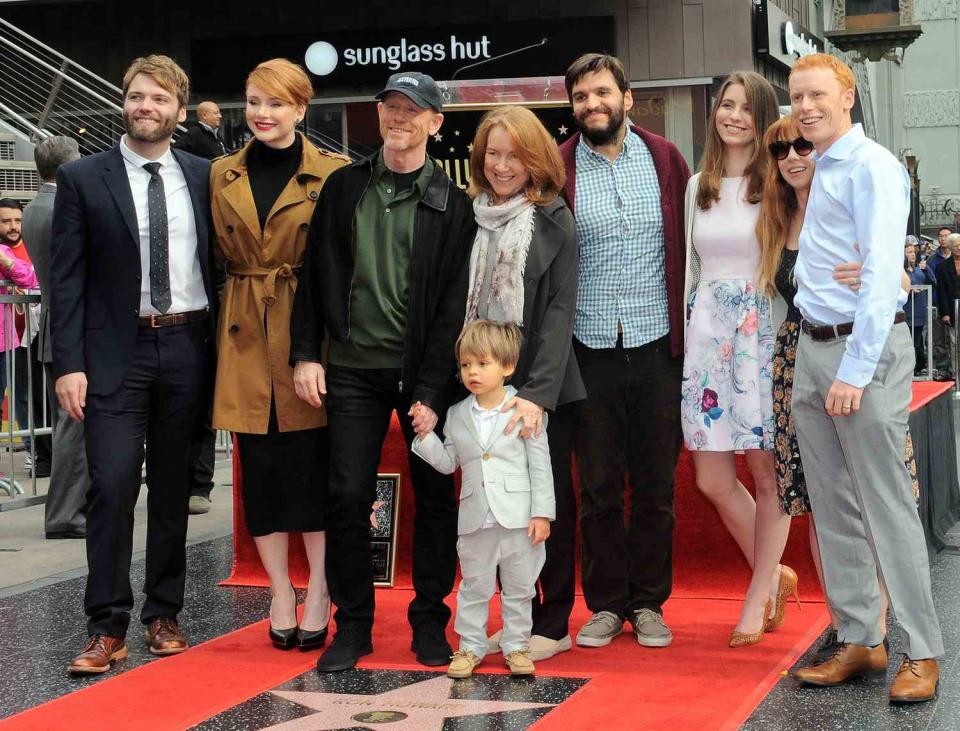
925	319
37	424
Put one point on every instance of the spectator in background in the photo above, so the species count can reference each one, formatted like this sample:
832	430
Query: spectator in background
12	269
920	273
941	349
67	493
947	293
943	252
12	236
202	137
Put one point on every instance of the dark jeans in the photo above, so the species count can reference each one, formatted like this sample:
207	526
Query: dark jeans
629	426
43	445
359	405
919	333
553	601
159	401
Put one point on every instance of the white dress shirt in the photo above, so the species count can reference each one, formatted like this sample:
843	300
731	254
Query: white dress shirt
857	211
485	421
186	279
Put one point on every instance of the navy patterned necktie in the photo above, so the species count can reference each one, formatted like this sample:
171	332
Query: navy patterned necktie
159	244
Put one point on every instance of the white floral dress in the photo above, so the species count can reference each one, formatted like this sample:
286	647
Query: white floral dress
727	391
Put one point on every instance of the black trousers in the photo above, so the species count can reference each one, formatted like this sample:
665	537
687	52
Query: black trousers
159	401
553	601
629	427
203	459
359	405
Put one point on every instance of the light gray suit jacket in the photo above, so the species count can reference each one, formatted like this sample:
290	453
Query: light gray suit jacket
509	476
37	220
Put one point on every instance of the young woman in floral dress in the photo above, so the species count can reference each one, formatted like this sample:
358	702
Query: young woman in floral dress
727	402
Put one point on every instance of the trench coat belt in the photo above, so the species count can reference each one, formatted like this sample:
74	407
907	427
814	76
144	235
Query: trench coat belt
284	271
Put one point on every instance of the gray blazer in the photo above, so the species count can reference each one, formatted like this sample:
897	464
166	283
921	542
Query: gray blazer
509	476
37	220
547	373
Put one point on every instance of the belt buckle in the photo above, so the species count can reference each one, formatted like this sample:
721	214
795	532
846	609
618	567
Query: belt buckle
153	321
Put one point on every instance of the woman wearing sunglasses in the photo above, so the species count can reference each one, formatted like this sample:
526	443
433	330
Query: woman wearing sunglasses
788	177
726	397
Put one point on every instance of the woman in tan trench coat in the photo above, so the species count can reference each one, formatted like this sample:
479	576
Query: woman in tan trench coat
263	198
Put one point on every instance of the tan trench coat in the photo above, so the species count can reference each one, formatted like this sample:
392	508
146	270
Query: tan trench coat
261	281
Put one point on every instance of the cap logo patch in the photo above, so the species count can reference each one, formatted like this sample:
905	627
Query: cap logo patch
408	80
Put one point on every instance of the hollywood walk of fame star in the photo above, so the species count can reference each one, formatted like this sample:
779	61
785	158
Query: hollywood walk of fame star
451	149
563	129
420	706
456	132
470	147
438	137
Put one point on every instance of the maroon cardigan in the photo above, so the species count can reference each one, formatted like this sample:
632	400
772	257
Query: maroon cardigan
673	173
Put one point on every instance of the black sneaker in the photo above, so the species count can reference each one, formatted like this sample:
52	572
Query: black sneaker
348	646
431	646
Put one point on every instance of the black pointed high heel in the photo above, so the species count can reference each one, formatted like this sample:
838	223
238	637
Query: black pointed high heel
308	639
285	639
311	639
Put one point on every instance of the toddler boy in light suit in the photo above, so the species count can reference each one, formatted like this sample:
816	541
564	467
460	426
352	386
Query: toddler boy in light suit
506	499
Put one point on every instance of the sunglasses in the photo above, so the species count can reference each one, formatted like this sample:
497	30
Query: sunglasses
781	148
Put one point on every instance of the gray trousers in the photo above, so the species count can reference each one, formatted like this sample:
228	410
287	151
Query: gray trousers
861	495
481	554
69	478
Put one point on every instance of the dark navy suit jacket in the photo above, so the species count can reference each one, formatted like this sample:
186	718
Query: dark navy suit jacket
95	297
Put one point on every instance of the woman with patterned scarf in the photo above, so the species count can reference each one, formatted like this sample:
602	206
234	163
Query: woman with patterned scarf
524	270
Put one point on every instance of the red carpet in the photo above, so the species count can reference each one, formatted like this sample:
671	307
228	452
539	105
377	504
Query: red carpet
697	683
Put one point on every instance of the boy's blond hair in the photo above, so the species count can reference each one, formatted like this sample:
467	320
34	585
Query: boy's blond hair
500	341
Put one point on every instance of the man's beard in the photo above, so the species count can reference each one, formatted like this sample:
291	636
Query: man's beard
163	132
600	136
6	240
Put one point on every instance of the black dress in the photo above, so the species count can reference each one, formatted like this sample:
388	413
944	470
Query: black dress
791	483
284	473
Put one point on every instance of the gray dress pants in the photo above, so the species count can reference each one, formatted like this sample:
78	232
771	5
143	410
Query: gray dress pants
861	495
69	479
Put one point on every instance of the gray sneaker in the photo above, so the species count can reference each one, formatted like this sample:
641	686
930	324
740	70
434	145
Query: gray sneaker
600	630
650	628
199	504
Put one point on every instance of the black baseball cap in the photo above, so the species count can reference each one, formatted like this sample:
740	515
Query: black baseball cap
421	89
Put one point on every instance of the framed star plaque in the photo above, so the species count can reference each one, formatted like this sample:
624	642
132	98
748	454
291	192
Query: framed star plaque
383	529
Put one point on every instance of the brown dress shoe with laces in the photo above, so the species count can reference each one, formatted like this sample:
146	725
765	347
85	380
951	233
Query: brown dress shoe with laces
164	637
98	654
916	681
847	662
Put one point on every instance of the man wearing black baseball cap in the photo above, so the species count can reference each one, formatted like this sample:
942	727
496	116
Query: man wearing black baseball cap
421	89
385	280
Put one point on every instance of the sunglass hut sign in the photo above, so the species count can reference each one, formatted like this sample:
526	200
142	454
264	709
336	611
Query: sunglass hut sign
323	58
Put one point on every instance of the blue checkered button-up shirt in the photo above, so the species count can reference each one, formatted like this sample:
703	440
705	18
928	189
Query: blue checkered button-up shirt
620	226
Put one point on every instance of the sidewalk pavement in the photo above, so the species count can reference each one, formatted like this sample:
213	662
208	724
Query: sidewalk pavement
28	560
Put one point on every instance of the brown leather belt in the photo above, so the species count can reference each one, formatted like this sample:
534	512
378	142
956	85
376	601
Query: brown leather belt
832	332
176	318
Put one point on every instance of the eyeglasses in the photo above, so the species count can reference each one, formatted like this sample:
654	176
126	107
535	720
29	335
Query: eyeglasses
781	148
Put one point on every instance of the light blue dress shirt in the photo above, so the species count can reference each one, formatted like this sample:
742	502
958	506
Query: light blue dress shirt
622	261
857	211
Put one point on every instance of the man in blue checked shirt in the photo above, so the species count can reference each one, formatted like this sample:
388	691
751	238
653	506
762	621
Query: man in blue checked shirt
852	389
625	186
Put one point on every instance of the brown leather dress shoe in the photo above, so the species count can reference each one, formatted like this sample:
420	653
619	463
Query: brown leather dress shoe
164	637
98	654
847	662
916	681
